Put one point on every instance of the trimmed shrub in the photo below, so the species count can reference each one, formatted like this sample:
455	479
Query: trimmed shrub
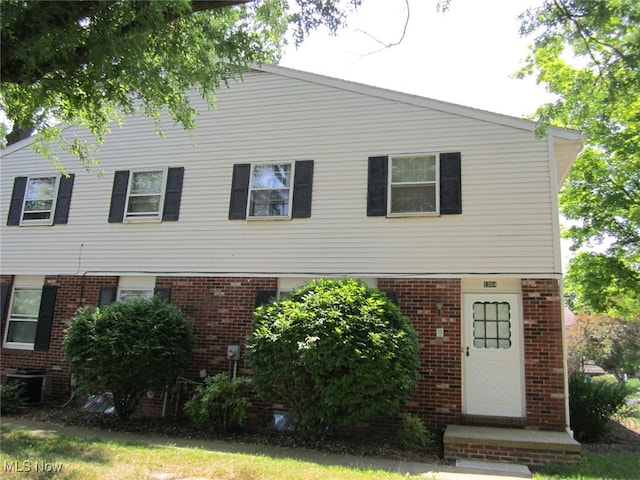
128	348
12	397
592	404
413	435
334	352
219	404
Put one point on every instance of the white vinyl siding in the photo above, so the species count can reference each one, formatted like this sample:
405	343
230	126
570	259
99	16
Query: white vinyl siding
507	225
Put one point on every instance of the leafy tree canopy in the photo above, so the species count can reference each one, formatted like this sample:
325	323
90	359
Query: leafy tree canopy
90	63
610	343
587	52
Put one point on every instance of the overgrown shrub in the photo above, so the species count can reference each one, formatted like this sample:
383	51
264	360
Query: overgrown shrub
128	348
12	397
592	404
219	404
413	435
334	352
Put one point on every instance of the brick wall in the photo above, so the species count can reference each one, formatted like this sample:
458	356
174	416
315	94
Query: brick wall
543	359
73	292
221	309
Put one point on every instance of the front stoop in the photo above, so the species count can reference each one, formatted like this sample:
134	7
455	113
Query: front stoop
529	447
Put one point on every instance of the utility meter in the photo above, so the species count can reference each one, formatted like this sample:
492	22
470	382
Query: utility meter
233	352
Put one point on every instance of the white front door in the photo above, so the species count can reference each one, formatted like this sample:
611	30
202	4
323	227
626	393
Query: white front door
492	355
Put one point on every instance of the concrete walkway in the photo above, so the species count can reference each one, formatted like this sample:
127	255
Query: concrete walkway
469	470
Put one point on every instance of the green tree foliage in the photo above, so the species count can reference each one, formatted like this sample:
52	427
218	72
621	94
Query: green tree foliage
90	63
128	348
587	52
612	344
334	352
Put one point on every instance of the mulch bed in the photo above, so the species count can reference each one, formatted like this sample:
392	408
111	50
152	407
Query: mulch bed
341	443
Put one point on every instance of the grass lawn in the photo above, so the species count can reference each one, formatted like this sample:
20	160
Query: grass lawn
32	454
619	466
27	454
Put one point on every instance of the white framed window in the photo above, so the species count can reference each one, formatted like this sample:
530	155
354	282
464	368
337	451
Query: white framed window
39	200
130	288
145	195
270	190
413	184
24	311
287	285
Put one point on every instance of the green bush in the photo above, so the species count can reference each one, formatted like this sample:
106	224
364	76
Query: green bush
219	404
413	435
12	397
592	404
128	348
334	352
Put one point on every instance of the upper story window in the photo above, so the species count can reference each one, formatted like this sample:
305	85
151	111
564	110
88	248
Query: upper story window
271	190
413	187
40	200
415	184
146	195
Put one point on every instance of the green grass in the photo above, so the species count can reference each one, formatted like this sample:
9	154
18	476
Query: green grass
594	466
46	455
37	455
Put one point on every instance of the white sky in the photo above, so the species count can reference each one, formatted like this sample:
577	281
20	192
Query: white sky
467	55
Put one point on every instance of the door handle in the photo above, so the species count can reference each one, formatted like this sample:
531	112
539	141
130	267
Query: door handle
467	352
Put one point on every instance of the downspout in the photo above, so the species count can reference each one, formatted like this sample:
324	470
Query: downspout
555	188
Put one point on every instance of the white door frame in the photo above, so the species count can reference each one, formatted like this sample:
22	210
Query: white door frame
493	381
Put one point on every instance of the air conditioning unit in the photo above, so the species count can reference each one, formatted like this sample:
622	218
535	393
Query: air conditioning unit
37	385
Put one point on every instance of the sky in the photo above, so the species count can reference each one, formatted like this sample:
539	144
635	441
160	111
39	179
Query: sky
466	56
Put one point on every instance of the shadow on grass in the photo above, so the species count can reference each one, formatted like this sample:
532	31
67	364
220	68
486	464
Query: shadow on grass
22	444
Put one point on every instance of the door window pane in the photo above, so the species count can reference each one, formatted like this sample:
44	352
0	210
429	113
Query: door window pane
492	325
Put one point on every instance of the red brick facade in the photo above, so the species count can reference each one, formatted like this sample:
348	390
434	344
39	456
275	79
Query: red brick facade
222	308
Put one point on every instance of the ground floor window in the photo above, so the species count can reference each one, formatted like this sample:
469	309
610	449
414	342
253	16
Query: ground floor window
24	311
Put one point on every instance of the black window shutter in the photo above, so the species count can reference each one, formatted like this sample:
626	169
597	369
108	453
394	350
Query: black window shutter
118	196
63	202
173	194
4	294
239	191
393	296
450	183
17	199
302	187
107	296
163	293
377	186
45	317
265	296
